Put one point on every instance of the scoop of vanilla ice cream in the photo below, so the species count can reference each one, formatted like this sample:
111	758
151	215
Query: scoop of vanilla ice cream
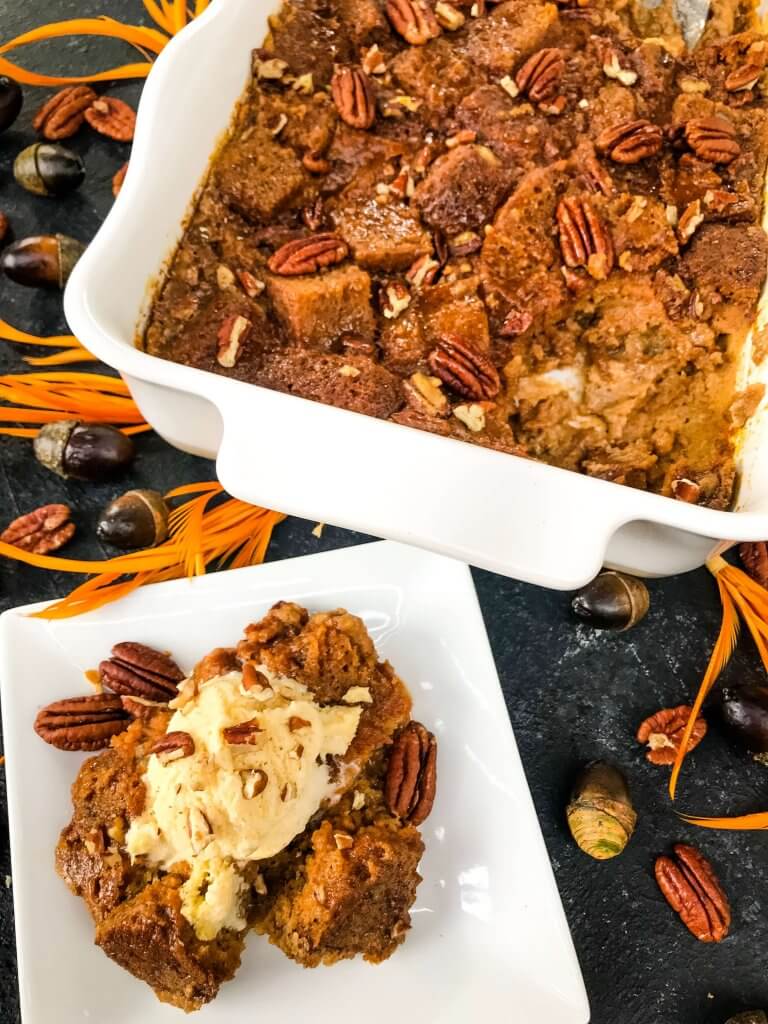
232	801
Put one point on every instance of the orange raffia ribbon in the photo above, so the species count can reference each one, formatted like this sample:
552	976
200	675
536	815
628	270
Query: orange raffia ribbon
740	596
169	15
73	351
201	533
46	396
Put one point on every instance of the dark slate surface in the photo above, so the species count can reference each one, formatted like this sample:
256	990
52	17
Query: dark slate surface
572	694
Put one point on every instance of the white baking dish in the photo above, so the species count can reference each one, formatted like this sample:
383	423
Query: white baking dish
504	513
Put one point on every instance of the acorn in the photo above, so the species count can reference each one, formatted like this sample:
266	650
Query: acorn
83	451
48	169
612	600
11	99
137	519
745	713
41	261
600	815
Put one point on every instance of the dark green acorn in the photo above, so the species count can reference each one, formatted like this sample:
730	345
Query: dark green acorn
41	261
48	169
11	99
137	519
612	600
83	451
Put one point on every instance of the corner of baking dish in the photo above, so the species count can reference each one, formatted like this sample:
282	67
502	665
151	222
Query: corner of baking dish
477	497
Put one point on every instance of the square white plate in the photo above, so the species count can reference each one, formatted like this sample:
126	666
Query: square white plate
489	940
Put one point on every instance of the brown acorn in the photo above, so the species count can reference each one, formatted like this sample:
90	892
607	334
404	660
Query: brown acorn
41	261
83	451
612	600
48	169
137	519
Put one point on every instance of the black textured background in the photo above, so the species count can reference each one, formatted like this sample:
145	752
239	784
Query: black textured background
572	694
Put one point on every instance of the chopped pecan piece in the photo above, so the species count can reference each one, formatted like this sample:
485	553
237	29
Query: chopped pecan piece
754	558
584	239
631	141
663	733
314	214
63	114
690	886
410	785
173	747
306	255
690	219
448	16
232	336
82	723
423	271
414	20
46	529
140	671
712	139
464	369
352	93
743	78
251	285
687	490
517	321
112	117
538	78
254	782
243	733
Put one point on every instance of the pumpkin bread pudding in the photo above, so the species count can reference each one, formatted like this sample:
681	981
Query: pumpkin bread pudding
534	226
280	790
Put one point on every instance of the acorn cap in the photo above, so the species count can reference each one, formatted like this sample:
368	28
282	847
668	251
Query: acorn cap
50	443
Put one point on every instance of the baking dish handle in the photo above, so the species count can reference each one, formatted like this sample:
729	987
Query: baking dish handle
499	512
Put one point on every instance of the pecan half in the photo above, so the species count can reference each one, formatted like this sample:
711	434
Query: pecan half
584	239
140	671
690	886
63	114
353	95
464	369
242	733
539	76
82	723
46	529
112	117
743	78
663	733
409	789
631	141
712	139
173	747
414	20
118	178
306	255
754	558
